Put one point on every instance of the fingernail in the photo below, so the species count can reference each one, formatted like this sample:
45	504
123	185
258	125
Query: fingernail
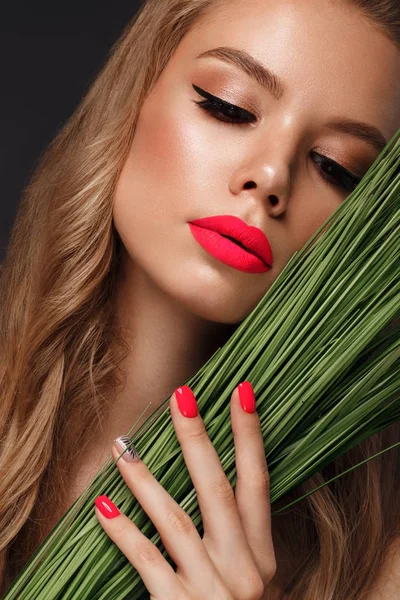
122	443
106	507
186	401
247	398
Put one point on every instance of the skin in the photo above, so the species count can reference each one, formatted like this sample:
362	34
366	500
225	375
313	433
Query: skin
235	558
176	302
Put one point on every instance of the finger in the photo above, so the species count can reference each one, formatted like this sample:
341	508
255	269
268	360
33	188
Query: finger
215	494
252	490
224	536
157	574
177	530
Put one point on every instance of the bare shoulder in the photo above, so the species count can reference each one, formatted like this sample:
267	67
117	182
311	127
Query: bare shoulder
388	583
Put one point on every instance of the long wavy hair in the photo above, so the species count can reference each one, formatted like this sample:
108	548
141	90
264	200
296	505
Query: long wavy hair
61	349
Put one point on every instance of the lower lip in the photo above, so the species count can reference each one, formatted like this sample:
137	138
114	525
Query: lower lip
227	252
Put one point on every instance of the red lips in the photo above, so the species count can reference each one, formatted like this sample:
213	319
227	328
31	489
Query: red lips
252	238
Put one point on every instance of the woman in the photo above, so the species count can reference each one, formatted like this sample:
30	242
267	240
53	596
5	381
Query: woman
110	300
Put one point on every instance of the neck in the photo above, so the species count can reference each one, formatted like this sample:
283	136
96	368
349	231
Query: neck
168	344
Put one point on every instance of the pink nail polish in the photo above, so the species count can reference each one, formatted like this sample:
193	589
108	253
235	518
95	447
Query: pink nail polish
186	401
247	398
106	507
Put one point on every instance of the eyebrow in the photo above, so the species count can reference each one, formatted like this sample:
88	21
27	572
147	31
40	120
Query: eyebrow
362	131
247	63
270	81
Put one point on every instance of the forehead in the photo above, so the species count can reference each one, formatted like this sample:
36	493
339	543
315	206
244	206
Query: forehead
330	57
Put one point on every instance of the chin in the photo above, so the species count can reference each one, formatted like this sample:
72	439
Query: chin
215	299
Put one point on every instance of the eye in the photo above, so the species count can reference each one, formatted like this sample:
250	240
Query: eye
230	113
330	171
334	174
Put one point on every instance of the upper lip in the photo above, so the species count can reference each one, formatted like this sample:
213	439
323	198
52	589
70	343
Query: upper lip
252	238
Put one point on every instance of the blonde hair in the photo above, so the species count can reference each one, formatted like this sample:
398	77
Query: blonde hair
61	349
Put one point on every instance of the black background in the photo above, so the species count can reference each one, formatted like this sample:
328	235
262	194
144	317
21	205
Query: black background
49	54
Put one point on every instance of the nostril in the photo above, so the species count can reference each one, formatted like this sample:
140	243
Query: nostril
274	200
249	185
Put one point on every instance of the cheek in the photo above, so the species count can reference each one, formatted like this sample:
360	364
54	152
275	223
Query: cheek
311	221
157	146
180	148
310	210
147	186
174	161
163	181
309	224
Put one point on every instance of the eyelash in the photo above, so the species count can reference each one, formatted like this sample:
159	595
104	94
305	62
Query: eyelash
213	106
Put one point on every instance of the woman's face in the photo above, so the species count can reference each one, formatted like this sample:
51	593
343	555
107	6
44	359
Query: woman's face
274	172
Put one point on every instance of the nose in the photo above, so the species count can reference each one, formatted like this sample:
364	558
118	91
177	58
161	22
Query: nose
269	182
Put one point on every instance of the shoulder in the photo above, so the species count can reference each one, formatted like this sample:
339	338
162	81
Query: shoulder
387	586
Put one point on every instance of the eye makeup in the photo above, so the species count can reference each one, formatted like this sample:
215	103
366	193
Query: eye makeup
214	105
330	171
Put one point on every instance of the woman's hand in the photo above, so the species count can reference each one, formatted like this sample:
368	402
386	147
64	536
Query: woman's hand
235	559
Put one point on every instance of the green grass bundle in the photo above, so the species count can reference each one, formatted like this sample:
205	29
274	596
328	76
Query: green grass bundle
322	351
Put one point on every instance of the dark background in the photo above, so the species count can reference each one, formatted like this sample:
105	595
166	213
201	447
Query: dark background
49	54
